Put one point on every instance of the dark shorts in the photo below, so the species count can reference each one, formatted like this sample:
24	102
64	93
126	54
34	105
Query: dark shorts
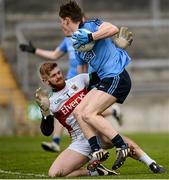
118	86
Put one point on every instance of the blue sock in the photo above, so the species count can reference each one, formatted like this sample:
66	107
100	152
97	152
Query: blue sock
94	143
56	139
118	141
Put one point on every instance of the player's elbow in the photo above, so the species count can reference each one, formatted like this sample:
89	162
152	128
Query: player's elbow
54	56
113	30
108	29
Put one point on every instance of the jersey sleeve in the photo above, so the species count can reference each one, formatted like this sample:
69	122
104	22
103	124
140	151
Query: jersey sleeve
63	47
93	80
89	80
47	125
93	25
83	78
79	60
86	79
90	69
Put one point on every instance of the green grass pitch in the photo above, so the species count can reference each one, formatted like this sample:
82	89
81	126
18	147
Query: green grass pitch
23	158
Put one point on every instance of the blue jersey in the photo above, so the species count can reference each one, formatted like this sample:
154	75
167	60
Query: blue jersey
66	47
105	58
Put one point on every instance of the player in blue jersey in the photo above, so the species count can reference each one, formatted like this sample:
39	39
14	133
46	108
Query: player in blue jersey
109	63
64	48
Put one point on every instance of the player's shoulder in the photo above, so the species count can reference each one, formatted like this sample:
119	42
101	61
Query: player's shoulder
93	21
79	77
53	94
66	39
50	94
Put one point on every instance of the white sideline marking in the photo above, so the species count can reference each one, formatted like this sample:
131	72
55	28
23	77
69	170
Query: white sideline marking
22	174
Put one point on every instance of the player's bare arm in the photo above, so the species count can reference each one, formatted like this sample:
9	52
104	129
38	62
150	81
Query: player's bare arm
53	55
49	54
82	68
105	30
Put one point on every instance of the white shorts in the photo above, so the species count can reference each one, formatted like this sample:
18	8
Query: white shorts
80	145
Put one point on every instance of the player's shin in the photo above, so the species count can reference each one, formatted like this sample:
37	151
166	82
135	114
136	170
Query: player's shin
98	154
122	151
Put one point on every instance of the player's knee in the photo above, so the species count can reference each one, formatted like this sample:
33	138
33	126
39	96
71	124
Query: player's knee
133	149
83	114
87	116
77	113
51	174
55	173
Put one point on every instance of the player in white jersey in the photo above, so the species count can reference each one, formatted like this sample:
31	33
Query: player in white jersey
65	96
64	47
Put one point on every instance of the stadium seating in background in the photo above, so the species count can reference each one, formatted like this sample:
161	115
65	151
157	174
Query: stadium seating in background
11	95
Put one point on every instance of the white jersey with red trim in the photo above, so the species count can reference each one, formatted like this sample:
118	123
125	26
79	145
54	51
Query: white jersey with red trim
62	103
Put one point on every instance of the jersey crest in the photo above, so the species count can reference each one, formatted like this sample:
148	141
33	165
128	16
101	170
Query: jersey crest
74	87
88	56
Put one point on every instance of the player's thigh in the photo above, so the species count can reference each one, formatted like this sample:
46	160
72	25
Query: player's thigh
96	101
67	162
107	112
85	101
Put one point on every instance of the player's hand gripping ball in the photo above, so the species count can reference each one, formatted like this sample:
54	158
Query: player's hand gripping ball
82	40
